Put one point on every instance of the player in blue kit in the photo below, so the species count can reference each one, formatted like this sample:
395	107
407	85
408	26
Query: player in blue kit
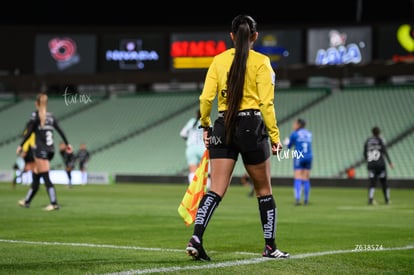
301	140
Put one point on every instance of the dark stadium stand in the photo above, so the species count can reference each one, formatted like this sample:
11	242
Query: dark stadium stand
137	135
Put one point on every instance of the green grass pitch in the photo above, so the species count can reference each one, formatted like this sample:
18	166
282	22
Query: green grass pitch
136	229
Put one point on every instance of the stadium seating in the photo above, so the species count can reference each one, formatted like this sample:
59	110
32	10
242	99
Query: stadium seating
139	134
342	122
115	130
402	158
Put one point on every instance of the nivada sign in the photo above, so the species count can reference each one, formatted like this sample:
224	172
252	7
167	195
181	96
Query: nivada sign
131	52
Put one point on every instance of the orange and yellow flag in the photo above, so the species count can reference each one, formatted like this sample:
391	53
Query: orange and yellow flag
195	191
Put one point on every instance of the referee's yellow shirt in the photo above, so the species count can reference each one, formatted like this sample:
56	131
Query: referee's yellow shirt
30	142
259	89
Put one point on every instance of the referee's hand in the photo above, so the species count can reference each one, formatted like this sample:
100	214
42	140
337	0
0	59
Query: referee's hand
276	148
206	137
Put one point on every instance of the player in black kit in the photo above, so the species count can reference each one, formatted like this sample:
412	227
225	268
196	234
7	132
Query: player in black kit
43	124
83	157
69	160
375	154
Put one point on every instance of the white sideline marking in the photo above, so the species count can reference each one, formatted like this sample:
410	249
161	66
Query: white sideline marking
94	245
202	266
247	262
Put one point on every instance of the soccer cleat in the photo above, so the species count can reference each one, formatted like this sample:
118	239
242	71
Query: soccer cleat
269	252
23	203
196	250
51	207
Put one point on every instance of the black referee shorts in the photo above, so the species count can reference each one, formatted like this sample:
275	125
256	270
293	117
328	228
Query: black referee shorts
250	140
29	157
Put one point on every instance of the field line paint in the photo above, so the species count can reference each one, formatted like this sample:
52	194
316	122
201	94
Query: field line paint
107	246
93	245
246	262
202	266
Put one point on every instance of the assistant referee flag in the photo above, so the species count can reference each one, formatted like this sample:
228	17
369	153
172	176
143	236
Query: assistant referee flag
195	191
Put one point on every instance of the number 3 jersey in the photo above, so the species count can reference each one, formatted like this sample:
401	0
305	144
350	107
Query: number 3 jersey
44	134
375	153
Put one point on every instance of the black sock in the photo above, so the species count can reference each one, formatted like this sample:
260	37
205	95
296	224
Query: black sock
385	189
69	176
205	211
33	187
268	217
50	188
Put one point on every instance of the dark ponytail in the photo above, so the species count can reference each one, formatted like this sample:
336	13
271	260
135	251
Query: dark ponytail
243	28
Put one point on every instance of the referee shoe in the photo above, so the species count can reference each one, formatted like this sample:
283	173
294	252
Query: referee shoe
270	252
196	250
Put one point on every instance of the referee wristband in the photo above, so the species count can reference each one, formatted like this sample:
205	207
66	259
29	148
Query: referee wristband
204	127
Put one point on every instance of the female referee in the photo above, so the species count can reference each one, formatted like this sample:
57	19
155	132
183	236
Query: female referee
244	82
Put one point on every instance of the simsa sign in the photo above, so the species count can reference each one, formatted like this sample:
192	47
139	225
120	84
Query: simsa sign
196	50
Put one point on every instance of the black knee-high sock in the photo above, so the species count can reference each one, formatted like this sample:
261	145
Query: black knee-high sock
69	176
205	211
50	188
268	217
33	187
371	189
385	189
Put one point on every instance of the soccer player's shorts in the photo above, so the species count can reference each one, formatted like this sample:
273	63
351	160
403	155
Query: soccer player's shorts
83	165
194	154
43	153
250	140
71	163
374	172
302	163
29	157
